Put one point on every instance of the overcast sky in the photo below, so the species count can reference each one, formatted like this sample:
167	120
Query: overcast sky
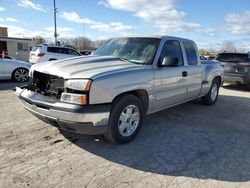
208	22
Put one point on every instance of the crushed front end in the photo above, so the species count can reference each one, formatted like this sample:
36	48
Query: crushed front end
59	102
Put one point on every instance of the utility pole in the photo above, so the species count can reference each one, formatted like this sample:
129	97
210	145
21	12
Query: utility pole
55	11
83	38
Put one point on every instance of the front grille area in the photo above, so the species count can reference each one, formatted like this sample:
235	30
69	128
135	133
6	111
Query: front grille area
46	84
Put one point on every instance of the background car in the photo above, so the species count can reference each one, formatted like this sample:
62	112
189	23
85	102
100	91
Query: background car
43	53
236	68
14	69
8	57
86	52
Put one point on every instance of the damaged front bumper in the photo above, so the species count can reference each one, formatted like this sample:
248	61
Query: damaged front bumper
89	119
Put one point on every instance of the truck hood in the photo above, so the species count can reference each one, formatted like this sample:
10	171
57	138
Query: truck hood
85	67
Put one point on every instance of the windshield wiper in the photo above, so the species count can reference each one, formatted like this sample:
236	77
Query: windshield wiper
125	59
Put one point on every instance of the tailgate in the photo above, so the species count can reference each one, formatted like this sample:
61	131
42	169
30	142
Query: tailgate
231	67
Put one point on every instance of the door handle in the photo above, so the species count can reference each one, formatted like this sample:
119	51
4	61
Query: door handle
184	74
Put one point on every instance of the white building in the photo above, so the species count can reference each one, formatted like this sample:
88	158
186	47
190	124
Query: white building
19	48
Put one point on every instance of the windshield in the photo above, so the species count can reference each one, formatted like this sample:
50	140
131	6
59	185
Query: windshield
135	50
234	58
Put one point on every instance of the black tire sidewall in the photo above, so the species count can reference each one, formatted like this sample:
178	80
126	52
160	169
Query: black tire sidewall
117	109
210	92
248	86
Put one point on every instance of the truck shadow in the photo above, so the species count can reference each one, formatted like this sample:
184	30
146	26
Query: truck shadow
236	87
192	140
9	85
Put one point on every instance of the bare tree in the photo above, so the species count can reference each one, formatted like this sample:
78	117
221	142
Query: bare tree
98	43
228	46
204	52
81	43
39	40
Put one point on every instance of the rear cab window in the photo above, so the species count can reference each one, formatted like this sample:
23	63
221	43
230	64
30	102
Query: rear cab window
192	57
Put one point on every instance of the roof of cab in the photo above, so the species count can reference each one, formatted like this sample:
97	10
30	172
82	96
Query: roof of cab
154	36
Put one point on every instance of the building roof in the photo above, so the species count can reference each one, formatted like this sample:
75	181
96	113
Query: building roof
14	39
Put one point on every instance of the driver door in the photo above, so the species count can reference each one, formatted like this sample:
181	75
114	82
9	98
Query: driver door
170	82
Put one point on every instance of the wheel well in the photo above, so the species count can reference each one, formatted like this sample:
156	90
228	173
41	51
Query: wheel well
140	93
52	59
12	74
218	78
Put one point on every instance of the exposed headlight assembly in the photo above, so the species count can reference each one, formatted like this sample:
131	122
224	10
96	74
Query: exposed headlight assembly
79	85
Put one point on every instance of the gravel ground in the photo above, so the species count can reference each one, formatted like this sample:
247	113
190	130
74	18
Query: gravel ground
191	145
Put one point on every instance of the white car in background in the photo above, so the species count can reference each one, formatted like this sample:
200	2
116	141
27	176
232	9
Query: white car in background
14	69
43	53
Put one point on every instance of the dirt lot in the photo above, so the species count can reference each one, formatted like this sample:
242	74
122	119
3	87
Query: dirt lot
191	145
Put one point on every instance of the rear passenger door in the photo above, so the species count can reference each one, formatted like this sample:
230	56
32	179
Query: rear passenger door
170	82
194	77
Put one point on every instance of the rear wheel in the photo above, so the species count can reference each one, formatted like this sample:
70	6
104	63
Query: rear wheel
125	119
248	87
20	75
212	95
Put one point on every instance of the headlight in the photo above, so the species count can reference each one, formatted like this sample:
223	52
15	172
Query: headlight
74	98
80	85
80	92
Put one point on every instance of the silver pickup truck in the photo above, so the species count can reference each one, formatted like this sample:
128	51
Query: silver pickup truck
112	90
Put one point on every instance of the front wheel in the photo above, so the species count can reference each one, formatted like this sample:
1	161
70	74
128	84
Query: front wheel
212	95
125	119
20	75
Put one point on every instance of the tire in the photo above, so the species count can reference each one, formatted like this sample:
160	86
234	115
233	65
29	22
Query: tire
125	119
248	87
20	75
212	95
52	59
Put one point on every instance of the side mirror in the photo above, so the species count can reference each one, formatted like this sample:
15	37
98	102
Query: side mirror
168	62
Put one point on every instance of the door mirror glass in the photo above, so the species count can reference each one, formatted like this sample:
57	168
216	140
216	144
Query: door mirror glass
168	62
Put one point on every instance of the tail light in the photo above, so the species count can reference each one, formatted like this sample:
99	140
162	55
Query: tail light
40	54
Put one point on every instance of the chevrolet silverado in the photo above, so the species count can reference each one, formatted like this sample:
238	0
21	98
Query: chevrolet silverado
112	90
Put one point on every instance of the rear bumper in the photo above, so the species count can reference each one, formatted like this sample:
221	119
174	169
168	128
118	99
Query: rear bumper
33	60
90	119
237	78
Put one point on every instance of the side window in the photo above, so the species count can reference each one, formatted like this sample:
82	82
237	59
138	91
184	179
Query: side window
61	50
172	48
65	51
51	49
22	46
191	53
72	52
